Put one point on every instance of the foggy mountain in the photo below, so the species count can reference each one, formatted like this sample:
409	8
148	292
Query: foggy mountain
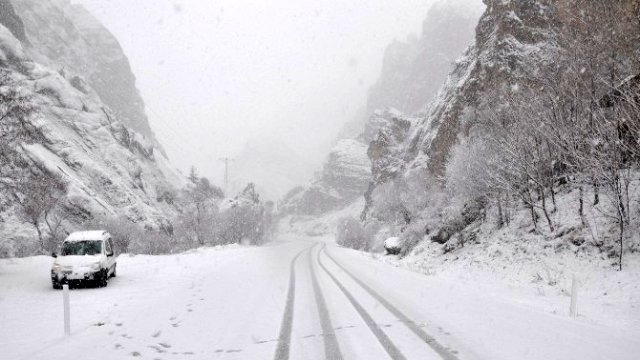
272	165
412	72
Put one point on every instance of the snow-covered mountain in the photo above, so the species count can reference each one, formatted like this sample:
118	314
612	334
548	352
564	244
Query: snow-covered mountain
73	73
67	38
514	40
411	74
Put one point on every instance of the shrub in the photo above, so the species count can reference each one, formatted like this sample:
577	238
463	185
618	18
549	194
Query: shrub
351	234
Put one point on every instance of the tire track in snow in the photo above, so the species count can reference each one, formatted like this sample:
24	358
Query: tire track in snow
384	340
331	347
444	352
284	338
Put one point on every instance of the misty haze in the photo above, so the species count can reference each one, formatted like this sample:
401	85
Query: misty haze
280	179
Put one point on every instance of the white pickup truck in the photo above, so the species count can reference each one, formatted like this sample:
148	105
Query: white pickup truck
85	256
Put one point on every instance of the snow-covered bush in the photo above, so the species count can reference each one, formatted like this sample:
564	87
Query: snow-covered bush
244	219
351	234
156	243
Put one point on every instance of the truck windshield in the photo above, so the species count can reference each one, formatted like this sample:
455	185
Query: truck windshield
84	247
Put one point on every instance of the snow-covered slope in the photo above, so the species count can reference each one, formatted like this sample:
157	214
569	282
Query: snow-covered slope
67	38
111	169
514	40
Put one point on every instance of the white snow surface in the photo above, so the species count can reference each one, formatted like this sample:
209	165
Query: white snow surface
87	235
228	303
392	242
525	274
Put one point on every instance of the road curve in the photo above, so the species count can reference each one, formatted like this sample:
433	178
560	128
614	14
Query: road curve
428	339
276	301
384	340
331	346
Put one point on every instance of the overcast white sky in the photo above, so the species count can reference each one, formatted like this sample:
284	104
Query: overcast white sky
217	73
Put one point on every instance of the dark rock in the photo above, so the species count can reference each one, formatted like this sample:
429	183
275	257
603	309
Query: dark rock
11	20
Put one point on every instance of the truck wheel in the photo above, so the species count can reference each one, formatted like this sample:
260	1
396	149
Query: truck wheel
56	285
113	274
101	279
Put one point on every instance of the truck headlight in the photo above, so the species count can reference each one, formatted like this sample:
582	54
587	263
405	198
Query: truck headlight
56	268
95	267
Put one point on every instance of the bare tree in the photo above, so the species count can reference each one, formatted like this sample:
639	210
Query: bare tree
200	203
37	197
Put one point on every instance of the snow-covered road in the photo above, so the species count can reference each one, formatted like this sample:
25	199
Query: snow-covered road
298	299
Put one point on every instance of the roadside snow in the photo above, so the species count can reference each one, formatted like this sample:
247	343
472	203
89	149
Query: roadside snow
150	296
514	268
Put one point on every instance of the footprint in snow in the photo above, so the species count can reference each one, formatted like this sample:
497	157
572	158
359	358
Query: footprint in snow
156	334
118	346
265	341
157	348
135	354
164	345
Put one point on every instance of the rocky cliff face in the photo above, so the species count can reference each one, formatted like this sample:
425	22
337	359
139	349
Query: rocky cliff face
110	168
414	70
10	20
343	179
69	39
515	42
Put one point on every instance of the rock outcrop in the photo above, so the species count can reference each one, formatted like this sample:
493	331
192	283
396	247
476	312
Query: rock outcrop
10	20
67	38
515	42
414	70
343	179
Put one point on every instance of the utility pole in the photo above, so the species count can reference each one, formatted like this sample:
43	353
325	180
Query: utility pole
226	162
